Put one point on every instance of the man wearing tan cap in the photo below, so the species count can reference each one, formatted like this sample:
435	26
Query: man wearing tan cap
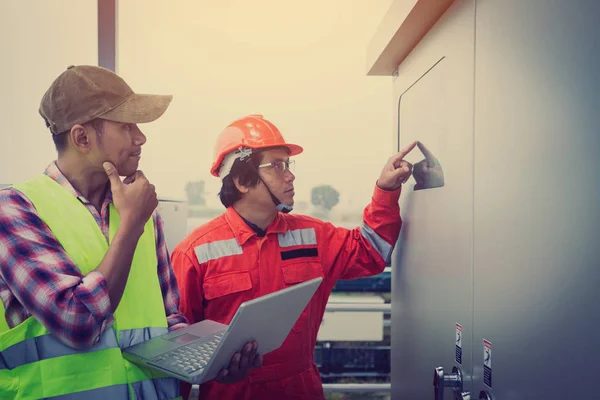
84	267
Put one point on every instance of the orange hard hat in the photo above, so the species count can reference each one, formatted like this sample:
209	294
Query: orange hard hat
251	132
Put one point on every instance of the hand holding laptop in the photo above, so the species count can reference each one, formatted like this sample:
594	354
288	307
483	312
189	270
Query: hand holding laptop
241	364
209	350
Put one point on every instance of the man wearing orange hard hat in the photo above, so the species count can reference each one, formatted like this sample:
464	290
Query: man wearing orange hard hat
256	247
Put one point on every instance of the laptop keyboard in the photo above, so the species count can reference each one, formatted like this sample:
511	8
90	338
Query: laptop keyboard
190	358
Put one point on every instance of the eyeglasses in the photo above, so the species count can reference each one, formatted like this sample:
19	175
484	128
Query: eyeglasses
280	166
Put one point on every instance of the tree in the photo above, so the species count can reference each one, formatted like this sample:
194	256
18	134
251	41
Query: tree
324	196
195	193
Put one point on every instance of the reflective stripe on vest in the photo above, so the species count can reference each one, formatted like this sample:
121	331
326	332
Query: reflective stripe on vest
20	360
38	366
42	373
44	347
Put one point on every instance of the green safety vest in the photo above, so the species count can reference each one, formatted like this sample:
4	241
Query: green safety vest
34	364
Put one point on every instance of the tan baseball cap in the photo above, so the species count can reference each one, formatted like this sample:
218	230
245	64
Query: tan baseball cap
86	92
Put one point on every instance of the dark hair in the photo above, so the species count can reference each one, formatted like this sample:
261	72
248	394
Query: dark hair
247	174
61	141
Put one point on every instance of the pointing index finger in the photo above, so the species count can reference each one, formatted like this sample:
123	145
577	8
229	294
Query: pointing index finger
402	153
407	149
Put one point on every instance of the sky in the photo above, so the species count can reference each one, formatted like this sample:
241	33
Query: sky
301	65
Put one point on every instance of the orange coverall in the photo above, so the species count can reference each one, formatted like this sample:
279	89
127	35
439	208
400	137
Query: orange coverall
224	263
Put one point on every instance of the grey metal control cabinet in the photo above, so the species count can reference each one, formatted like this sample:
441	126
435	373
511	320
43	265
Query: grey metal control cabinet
497	269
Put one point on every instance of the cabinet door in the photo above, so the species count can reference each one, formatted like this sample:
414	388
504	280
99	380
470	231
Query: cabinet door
537	198
432	265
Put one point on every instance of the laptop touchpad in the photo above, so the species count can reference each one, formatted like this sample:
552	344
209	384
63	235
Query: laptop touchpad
184	339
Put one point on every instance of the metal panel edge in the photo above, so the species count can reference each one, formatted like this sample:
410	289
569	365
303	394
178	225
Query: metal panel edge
392	42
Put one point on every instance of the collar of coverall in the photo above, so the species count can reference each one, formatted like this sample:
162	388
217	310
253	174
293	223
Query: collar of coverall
243	232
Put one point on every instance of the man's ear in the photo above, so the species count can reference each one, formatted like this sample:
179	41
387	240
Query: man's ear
240	187
80	137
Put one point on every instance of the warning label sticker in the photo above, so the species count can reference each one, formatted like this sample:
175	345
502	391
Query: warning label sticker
458	343
487	363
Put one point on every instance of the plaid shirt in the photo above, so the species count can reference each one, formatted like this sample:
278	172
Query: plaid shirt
38	278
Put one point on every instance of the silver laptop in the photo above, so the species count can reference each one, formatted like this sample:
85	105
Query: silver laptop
197	353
